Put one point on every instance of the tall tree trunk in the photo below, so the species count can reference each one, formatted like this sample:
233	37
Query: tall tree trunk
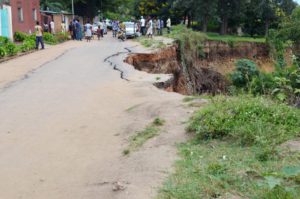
205	24
267	26
224	25
189	21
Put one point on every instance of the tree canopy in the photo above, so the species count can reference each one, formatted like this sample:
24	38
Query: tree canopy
255	17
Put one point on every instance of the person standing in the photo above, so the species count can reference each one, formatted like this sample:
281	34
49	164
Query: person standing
52	26
39	36
150	28
71	31
88	31
46	27
63	27
169	25
162	25
158	27
115	28
143	25
78	31
155	26
100	23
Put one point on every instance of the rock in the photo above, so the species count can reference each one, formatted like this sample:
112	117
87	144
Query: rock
118	186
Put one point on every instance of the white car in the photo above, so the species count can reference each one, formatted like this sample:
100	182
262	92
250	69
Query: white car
131	29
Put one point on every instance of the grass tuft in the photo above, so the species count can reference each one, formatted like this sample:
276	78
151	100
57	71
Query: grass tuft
141	137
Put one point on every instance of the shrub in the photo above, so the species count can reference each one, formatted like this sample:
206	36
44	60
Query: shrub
49	38
61	37
245	71
27	45
3	41
247	120
11	49
2	52
20	36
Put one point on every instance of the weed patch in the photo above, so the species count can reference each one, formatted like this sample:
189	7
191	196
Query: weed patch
141	137
236	151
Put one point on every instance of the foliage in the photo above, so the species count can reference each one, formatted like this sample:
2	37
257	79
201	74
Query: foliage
20	36
61	37
4	41
245	71
28	44
11	49
49	38
282	85
233	38
246	160
2	52
248	120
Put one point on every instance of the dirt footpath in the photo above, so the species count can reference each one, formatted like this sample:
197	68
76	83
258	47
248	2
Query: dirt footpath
64	127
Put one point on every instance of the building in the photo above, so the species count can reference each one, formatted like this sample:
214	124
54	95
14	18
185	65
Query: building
24	14
5	20
58	18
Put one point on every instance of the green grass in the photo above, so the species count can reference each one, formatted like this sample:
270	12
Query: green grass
150	43
233	38
230	39
236	151
210	169
141	137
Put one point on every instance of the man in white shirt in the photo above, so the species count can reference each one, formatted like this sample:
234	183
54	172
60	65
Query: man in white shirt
169	25
143	25
52	26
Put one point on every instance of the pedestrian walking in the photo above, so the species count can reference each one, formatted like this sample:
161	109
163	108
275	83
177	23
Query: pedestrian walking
150	28
52	27
143	25
169	25
39	36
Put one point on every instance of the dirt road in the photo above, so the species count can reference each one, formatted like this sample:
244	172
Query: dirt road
65	124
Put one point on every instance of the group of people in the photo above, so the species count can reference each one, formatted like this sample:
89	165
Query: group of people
154	26
75	30
147	27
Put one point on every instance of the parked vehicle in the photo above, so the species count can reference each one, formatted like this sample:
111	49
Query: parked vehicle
131	30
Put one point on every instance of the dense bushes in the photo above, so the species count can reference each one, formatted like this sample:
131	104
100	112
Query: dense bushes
282	85
251	121
20	36
8	48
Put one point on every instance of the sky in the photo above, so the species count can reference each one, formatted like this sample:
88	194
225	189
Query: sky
298	1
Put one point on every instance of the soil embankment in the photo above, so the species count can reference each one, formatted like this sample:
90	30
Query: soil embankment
207	73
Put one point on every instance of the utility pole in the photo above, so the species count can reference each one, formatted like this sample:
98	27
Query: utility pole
73	13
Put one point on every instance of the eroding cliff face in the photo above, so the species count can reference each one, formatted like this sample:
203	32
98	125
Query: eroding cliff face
207	74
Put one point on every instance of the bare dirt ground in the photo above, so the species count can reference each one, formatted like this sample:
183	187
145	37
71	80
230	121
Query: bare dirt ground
66	117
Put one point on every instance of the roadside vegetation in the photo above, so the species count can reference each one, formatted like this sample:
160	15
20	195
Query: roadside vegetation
25	43
141	137
239	140
237	151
